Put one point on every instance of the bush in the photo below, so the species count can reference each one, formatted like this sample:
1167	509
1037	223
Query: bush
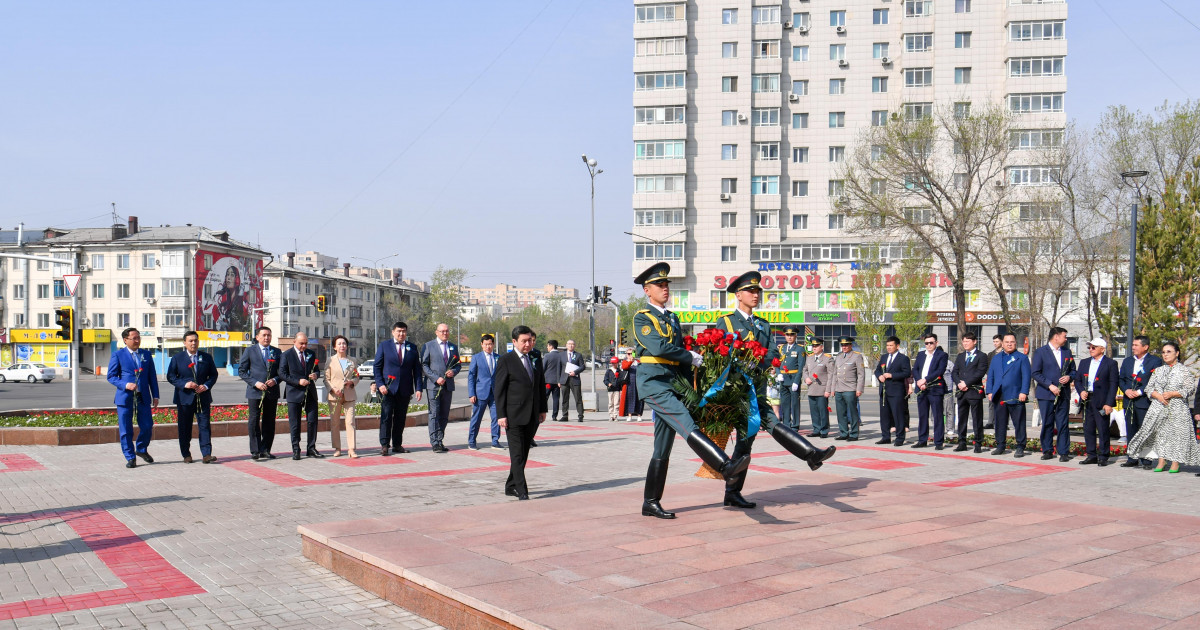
162	415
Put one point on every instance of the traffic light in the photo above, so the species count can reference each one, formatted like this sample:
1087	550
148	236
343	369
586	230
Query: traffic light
595	295
64	318
623	337
320	303
607	296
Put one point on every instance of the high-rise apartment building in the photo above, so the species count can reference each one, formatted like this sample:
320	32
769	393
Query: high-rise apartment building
744	112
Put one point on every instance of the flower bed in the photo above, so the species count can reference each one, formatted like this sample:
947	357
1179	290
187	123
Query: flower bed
163	415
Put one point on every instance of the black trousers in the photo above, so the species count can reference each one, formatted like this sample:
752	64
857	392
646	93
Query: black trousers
393	415
185	414
1095	428
892	411
519	439
572	386
973	406
931	409
552	398
1002	414
309	410
261	425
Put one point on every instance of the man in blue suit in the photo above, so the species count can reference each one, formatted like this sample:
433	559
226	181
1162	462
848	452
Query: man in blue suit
930	375
1135	373
1008	388
479	388
259	369
891	372
1053	370
193	374
397	378
131	371
1096	382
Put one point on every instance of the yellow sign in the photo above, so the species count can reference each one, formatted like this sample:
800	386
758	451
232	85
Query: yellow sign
33	335
97	335
222	335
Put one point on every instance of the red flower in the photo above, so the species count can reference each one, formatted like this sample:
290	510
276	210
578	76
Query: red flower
688	340
738	345
730	337
775	363
191	365
723	350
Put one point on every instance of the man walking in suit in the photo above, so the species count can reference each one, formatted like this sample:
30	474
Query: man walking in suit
521	405
131	371
299	370
1008	389
1135	373
552	371
480	389
968	374
440	363
891	372
398	377
571	382
259	368
1053	369
193	374
816	376
930	373
791	362
1096	382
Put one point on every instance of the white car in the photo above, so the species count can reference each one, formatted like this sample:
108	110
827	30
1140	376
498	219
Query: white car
30	372
367	369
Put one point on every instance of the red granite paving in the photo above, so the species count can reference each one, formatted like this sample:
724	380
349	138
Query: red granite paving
18	462
821	551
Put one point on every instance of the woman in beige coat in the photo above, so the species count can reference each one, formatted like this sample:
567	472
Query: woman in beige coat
341	375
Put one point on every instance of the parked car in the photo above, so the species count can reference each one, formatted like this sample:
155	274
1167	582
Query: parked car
29	372
366	369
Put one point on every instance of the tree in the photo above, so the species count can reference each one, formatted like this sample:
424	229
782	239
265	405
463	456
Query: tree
870	305
912	304
445	294
1168	263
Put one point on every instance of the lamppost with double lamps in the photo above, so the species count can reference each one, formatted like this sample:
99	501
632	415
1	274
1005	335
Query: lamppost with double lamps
1132	178
593	171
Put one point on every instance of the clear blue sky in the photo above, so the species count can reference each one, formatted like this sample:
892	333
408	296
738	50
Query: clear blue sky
447	132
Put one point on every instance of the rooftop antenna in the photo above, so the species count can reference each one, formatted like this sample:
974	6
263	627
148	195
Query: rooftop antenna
116	218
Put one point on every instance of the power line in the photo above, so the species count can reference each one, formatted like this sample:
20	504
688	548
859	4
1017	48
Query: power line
1139	49
1185	18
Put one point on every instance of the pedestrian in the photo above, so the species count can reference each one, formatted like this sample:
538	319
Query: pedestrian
969	371
131	371
193	373
774	382
929	373
817	378
521	405
259	369
1135	374
997	344
441	363
1097	384
480	391
791	363
612	382
632	405
552	371
1008	389
849	379
892	371
1053	369
573	365
1167	431
299	369
398	379
341	377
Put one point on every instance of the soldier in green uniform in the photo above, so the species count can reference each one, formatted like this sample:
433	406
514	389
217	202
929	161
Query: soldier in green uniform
791	363
662	355
750	327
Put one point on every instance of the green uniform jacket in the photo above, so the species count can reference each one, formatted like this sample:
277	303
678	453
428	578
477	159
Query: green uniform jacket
660	350
755	330
792	359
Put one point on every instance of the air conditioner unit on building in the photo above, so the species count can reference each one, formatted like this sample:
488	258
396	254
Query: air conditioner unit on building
793	98
802	29
999	183
84	268
841	30
741	117
726	196
787	25
151	301
843	64
887	61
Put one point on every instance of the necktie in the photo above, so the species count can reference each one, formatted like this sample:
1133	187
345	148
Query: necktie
491	364
445	353
889	361
400	352
264	353
970	357
528	366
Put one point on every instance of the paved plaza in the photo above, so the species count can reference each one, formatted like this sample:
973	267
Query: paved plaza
86	543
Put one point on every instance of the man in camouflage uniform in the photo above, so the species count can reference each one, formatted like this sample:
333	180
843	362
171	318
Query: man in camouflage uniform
817	376
749	327
662	355
791	360
849	380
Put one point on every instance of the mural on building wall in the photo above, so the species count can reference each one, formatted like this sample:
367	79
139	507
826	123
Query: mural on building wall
228	289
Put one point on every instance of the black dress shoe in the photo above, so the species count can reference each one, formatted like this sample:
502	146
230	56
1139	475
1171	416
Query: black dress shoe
884	441
266	455
938	447
989	426
898	443
523	496
532	443
254	456
735	499
841	437
510	492
385	452
1090	459
312	452
1102	462
1064	458
1000	450
1047	455
978	448
962	446
851	439
920	445
1130	463
131	463
653	508
146	456
441	448
296	453
1020	452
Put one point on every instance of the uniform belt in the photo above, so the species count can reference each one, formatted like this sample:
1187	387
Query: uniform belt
787	371
649	359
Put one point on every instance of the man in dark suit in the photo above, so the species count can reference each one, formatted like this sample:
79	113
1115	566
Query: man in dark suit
479	389
398	376
299	370
997	344
552	371
968	373
259	368
521	405
1053	369
1008	389
1096	381
440	363
893	368
571	383
131	371
193	373
1135	373
930	375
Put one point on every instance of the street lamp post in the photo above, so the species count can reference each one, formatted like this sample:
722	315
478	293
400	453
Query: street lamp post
593	171
1132	178
378	297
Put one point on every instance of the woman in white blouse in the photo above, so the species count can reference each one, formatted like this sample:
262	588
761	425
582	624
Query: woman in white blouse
341	375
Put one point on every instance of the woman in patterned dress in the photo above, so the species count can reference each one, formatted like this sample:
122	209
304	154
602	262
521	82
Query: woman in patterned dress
1167	430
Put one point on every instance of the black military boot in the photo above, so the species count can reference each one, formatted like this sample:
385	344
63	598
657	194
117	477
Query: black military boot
656	479
715	457
800	447
734	484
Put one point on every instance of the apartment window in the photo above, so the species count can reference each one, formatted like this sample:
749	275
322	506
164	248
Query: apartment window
918	216
18	320
764	117
837	154
801	20
660	46
729	16
174	288
43	292
1036	138
148	321
98	291
879	85
652	218
1035	67
148	290
764	185
43	320
837	52
122	320
99	320
729	118
837	86
728	219
800	87
122	291
173	317
799	53
962	110
962	76
728	151
97	261
766	151
879	16
837	221
918	8
658	184
729	50
1041	30
658	251
660	13
728	253
799	221
729	185
879	50
800	188
147	261
18	292
766	15
918	77
962	6
918	42
658	150
42	265
645	81
766	219
729	84
18	264
877	152
837	18
837	188
837	120
962	39
879	118
764	83
1033	103
800	121
878	186
1028	211
799	155
1033	175
960	180
122	261
766	49
659	115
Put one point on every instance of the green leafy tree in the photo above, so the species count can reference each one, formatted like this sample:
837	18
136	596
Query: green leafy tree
445	294
912	303
1168	263
870	305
